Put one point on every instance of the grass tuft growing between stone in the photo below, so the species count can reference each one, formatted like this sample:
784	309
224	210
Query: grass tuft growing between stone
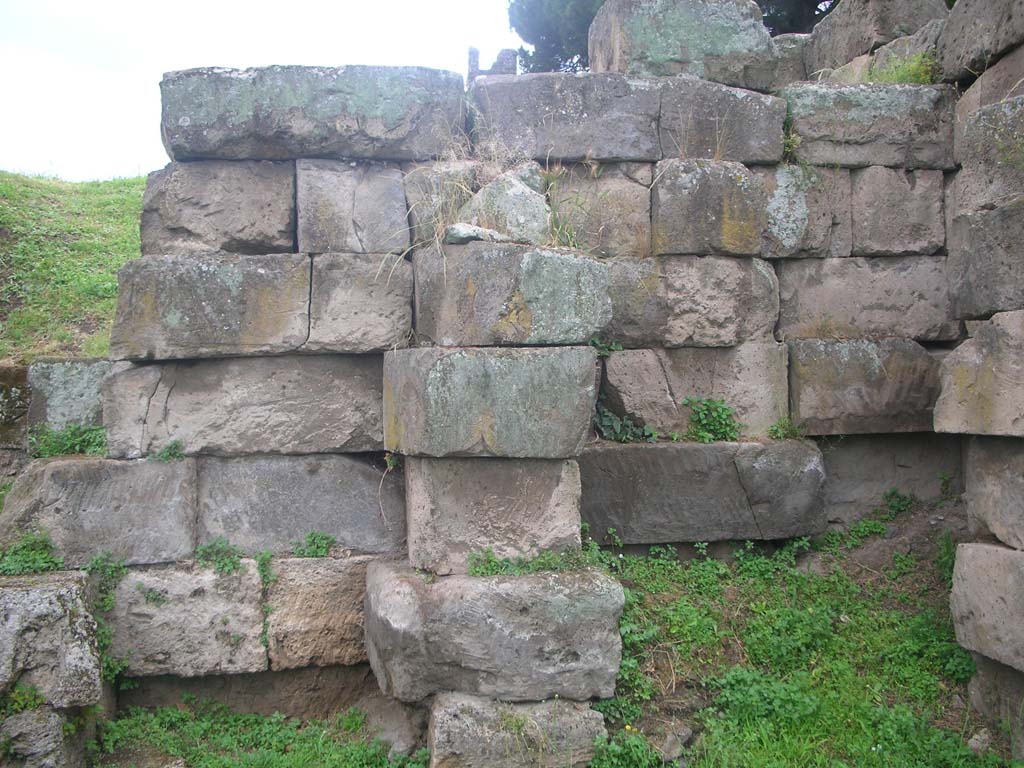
72	440
919	69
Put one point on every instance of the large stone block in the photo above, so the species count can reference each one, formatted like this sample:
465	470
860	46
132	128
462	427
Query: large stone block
983	381
897	212
513	205
350	207
862	386
188	620
270	502
986	272
866	298
287	404
808	212
976	33
692	301
701	207
650	385
516	638
42	738
469	731
994	476
385	113
138	511
566	116
211	306
991	148
66	392
15	401
515	507
987	604
1002	80
997	693
683	492
726	42
246	207
790	67
906	126
519	403
434	193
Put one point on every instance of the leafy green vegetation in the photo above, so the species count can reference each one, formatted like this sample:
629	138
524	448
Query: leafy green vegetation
918	69
32	553
711	420
317	544
171	452
5	488
486	563
625	749
621	429
785	429
605	347
21	698
152	596
106	573
72	440
265	570
220	555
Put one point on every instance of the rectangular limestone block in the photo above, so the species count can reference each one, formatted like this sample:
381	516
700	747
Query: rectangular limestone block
286	404
897	212
383	113
862	386
514	507
903	126
987	602
1002	81
703	207
188	620
316	611
983	381
65	392
484	294
518	403
686	492
866	298
976	33
240	207
992	153
808	212
15	399
271	502
211	305
692	301
994	476
426	634
986	272
138	511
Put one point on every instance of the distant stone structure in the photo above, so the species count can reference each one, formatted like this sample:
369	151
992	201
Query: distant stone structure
507	63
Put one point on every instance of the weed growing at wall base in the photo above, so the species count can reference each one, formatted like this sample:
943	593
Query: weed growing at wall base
72	440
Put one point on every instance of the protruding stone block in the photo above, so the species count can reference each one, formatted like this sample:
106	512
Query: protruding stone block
976	33
790	67
287	404
896	212
515	507
434	193
14	405
383	113
986	272
994	475
66	392
478	634
246	207
1003	80
519	403
511	207
808	212
988	614
991	149
861	386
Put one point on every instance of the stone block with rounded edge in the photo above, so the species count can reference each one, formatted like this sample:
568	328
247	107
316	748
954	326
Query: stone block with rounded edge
240	207
484	294
1003	80
515	638
994	476
808	212
703	207
383	113
988	613
518	403
986	272
138	511
991	149
862	386
514	507
896	212
66	392
286	404
977	32
434	193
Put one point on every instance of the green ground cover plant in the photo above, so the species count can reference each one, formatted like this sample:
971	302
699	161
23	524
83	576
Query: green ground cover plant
220	555
919	69
316	544
72	440
32	553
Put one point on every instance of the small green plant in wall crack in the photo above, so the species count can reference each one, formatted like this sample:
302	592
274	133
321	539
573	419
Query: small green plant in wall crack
220	555
173	451
317	544
711	420
106	573
72	440
785	429
622	429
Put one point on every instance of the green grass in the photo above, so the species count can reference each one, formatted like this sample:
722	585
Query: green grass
72	440
61	245
919	69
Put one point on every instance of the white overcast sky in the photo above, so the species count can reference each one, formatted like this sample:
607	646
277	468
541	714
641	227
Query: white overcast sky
79	95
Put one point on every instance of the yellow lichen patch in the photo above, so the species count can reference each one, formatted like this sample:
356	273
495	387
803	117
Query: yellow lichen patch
483	431
973	386
740	225
516	323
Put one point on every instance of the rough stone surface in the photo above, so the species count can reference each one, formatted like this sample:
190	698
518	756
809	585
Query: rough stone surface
988	581
210	305
15	398
681	492
519	403
350	207
507	205
994	474
288	404
997	693
896	212
38	738
790	67
703	207
924	42
866	298
12	461
246	207
386	113
270	502
862	386
138	511
856	71
907	126
1003	80
976	33
808	212
692	301
983	381
515	507
469	731
434	193
726	42
517	638
66	392
204	623
986	272
992	152
484	294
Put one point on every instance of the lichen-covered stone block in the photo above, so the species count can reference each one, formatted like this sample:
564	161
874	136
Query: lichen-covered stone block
15	401
66	392
790	68
1003	80
604	209
897	212
434	193
42	738
994	476
986	272
513	205
988	614
809	213
976	33
991	149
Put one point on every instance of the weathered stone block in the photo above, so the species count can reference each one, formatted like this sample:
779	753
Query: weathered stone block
790	67
986	272
1002	80
856	71
434	193
896	212
976	33
994	475
983	381
484	294
997	693
862	386
66	392
246	207
385	113
988	614
604	209
924	42
515	507
270	502
510	206
140	512
42	738
991	148
210	306
469	731
15	398
703	207
865	298
287	404
808	212
202	623
517	638
350	207
907	126
519	403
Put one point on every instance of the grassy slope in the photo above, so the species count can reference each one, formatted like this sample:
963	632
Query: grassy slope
61	245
